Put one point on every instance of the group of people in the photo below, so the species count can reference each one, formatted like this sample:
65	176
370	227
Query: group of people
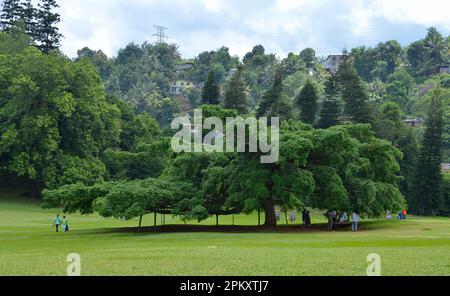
292	216
61	222
335	217
402	215
306	218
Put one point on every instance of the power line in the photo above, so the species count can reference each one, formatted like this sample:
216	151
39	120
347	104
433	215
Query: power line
160	35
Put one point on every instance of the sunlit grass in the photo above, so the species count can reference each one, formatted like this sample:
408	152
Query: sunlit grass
28	246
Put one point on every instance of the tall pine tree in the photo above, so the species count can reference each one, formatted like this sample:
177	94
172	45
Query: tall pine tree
48	36
28	14
331	108
235	96
10	15
427	194
307	102
357	107
210	91
270	102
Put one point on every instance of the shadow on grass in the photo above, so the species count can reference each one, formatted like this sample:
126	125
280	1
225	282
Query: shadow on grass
180	228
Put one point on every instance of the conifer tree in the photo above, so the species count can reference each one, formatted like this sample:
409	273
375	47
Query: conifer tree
210	91
357	107
28	14
428	198
270	101
331	109
47	33
235	96
307	102
10	14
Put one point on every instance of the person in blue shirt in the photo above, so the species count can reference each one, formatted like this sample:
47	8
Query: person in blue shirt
57	222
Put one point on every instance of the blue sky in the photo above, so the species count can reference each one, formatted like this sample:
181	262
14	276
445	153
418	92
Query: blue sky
282	26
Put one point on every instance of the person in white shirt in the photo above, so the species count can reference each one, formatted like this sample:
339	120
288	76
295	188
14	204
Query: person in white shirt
389	215
355	220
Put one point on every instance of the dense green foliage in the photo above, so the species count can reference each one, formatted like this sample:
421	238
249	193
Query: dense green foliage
379	62
54	115
424	56
343	168
88	130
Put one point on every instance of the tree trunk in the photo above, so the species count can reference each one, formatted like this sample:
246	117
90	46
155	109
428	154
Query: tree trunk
140	222
154	220
36	189
217	221
259	217
269	211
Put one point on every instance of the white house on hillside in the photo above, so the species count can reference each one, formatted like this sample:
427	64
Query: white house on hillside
178	87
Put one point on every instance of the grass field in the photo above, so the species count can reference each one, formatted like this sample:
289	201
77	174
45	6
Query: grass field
28	246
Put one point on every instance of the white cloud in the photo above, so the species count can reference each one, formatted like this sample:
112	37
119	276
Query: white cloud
428	13
362	14
289	5
89	23
274	25
213	5
284	16
280	25
360	18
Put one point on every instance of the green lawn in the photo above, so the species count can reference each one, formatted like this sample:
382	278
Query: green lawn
28	246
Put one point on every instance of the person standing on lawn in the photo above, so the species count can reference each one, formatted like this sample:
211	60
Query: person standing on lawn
307	219
355	220
330	217
57	222
65	224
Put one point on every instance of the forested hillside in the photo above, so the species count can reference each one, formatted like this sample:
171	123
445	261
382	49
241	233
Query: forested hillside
92	133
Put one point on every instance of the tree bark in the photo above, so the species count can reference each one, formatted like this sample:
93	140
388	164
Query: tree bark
217	221
259	217
140	222
269	211
154	220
